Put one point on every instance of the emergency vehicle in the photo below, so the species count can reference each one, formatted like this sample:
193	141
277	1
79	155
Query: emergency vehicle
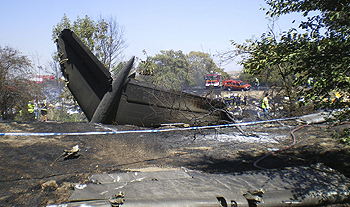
231	84
213	79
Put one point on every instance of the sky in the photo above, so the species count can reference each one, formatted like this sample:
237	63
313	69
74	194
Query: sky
152	25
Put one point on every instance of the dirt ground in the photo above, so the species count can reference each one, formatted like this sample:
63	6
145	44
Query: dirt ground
27	162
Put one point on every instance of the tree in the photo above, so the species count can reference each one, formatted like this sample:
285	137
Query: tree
201	64
176	70
274	62
171	69
321	52
105	38
15	89
110	42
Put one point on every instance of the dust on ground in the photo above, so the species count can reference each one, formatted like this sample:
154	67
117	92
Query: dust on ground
27	162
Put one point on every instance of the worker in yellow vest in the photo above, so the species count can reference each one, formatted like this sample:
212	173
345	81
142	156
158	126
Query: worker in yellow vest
31	109
265	104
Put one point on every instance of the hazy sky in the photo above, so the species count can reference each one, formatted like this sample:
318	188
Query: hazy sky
153	25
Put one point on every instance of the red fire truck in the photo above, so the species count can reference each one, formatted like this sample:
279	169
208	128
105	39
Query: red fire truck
213	79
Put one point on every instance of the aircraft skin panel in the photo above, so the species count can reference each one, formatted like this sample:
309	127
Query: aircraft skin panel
315	185
152	116
88	80
146	106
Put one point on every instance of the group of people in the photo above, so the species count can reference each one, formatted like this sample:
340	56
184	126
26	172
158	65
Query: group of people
38	111
234	100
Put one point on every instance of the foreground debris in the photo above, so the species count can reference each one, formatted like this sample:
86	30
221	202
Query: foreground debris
295	186
69	154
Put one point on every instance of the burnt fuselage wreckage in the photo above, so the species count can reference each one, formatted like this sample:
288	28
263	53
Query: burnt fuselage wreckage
126	100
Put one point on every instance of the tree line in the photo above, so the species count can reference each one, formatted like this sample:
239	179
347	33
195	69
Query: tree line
176	70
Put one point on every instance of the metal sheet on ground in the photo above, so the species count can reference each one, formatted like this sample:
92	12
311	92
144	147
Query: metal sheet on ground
314	118
295	186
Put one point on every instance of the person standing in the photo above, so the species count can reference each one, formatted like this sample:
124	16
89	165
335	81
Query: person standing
31	110
245	100
265	104
36	112
44	111
238	100
228	100
257	83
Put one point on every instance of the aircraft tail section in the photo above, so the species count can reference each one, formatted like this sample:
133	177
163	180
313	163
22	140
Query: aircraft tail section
87	78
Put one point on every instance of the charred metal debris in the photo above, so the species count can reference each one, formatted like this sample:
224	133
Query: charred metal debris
126	100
